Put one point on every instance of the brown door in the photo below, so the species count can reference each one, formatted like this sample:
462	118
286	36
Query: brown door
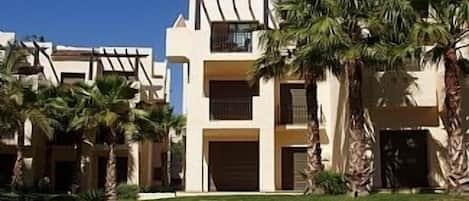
7	162
234	166
63	176
294	162
231	100
404	159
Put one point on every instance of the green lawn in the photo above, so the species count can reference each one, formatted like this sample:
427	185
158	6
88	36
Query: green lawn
376	197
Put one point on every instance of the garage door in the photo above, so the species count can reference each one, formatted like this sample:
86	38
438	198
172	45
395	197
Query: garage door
234	166
294	161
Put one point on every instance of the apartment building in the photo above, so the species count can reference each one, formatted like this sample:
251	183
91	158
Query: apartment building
137	162
253	138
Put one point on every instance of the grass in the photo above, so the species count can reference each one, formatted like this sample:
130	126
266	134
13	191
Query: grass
375	197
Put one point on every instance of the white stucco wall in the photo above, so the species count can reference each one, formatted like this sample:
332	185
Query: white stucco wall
386	106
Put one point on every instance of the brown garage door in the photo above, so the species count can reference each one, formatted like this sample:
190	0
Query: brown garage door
294	161
234	166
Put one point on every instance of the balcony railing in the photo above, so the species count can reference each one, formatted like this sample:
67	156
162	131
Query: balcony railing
293	114
130	76
231	42
296	114
231	109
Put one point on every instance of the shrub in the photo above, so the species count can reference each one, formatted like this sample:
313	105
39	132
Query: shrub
331	183
43	186
126	191
92	195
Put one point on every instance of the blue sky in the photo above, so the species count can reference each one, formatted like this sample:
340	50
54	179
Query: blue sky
98	23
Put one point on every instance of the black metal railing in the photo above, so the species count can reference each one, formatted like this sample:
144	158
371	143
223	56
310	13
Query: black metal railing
130	76
297	114
231	109
293	114
231	42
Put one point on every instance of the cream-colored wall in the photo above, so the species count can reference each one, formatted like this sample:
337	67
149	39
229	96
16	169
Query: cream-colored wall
140	157
192	47
6	37
409	100
414	98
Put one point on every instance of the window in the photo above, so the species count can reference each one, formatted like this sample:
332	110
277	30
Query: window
232	37
422	7
293	108
64	138
231	100
72	78
157	174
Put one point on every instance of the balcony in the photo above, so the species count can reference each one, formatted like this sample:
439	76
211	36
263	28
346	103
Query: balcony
296	115
231	109
232	42
130	76
232	37
292	110
293	114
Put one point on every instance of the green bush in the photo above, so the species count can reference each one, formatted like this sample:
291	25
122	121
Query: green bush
331	183
126	191
92	195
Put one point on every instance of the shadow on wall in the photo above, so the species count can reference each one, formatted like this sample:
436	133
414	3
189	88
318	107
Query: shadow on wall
393	89
435	159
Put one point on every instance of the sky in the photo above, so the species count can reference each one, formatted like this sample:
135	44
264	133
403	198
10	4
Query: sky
140	23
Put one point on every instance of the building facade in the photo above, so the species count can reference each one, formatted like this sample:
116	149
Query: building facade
137	162
253	138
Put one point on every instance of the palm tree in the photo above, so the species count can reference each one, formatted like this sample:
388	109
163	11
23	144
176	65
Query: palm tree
311	27
168	121
18	104
375	30
112	97
74	110
446	29
165	120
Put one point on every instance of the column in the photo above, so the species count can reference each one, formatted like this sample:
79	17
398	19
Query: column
267	160
194	157
266	119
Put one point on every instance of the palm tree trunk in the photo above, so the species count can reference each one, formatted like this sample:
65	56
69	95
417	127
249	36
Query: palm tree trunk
314	145
17	182
165	161
48	159
360	170
110	187
168	161
457	156
75	187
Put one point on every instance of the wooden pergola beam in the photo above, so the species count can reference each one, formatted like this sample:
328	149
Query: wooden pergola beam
71	54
